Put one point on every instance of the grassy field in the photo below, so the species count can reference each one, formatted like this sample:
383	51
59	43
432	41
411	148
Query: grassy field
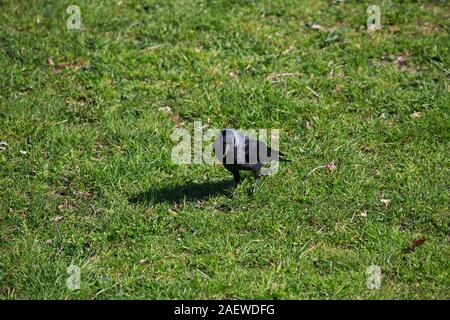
87	179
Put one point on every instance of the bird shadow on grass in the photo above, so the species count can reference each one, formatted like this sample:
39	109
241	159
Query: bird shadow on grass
189	192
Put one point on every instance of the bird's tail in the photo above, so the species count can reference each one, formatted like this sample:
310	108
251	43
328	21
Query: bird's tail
282	157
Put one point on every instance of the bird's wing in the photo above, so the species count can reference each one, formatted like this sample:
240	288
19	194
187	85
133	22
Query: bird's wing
255	150
260	151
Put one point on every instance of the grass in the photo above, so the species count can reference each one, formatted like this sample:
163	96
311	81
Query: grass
88	132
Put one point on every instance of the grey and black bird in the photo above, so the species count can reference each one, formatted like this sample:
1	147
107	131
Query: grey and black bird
237	152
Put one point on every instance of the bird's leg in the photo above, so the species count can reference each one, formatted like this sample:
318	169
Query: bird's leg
254	185
257	175
237	177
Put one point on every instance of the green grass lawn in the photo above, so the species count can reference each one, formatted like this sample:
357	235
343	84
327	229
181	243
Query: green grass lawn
88	115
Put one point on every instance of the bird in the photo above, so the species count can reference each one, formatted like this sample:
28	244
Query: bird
237	151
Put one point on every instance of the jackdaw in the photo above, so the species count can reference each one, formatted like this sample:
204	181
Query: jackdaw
237	151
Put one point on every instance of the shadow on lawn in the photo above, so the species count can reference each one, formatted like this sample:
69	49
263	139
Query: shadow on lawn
190	192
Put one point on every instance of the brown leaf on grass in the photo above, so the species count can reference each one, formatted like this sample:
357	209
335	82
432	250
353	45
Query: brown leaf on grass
330	166
50	62
177	119
391	122
386	202
414	243
177	206
416	114
393	29
308	125
66	205
22	212
81	101
71	65
165	109
57	219
274	75
316	26
58	68
400	60
49	241
84	194
363	213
